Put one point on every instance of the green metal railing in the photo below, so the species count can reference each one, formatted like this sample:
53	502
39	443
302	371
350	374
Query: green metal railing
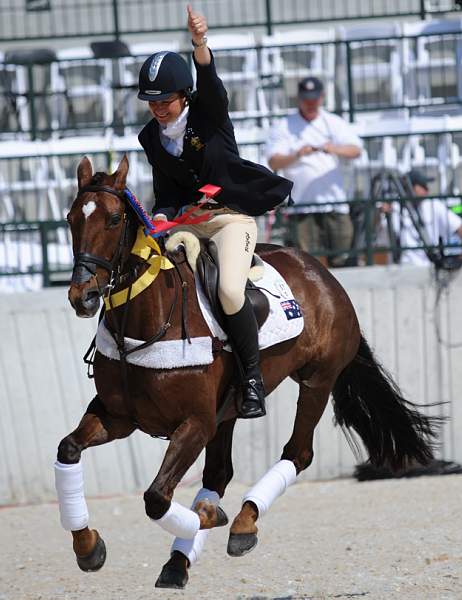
369	226
44	19
33	248
280	228
49	99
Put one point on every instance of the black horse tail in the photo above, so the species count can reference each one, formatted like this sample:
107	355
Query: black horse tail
367	400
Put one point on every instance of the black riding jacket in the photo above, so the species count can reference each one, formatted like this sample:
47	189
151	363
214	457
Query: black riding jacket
210	155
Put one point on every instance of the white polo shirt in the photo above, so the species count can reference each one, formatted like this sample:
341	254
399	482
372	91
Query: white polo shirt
318	177
439	222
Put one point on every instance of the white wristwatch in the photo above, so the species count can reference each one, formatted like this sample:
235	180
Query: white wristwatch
202	44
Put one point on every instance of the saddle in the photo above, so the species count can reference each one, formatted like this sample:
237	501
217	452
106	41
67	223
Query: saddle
207	270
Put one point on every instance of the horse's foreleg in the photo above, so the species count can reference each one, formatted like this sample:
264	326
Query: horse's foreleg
218	472
95	428
186	443
297	456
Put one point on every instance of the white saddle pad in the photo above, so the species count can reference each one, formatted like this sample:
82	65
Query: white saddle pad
285	319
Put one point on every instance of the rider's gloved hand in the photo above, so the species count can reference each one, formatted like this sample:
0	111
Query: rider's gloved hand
159	217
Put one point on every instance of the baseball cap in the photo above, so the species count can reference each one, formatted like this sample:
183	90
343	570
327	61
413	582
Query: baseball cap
417	177
310	88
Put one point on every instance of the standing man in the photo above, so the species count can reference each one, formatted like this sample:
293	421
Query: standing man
308	147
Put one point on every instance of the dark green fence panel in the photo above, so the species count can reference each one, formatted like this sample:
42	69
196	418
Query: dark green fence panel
402	75
44	19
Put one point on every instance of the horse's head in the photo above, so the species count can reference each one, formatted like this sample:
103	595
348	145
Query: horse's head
98	221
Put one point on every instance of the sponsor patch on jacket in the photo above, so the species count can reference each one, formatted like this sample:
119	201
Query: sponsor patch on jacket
196	143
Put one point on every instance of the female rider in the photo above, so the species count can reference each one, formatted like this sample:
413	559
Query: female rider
189	143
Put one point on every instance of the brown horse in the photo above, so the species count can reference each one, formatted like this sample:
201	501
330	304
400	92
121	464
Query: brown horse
329	356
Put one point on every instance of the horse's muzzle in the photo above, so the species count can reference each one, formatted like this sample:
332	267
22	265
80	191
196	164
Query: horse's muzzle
84	301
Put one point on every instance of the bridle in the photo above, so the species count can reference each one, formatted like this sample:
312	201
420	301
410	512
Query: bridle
85	263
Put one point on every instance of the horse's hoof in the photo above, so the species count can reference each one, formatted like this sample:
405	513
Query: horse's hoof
222	518
215	515
96	559
172	577
241	543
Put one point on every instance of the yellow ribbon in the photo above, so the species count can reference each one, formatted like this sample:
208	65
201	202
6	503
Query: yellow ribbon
143	247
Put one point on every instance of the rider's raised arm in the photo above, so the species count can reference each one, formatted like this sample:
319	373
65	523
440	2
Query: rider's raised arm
211	93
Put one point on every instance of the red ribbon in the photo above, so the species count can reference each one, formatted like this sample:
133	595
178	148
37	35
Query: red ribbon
184	219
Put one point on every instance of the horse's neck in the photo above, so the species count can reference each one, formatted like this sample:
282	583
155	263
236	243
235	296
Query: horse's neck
170	298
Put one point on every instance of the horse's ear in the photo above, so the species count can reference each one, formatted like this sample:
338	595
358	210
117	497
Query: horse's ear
84	172
121	174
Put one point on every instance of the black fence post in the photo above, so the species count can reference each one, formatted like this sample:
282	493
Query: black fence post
115	12
269	18
423	12
31	102
351	108
368	222
44	244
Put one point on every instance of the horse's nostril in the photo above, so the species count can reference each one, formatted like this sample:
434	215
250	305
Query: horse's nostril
91	294
90	297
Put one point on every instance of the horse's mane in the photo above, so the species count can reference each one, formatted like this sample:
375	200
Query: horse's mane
98	178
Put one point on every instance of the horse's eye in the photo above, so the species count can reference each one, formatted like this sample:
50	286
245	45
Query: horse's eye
114	220
68	218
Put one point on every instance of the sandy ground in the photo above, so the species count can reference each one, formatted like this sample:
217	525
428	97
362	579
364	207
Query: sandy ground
339	539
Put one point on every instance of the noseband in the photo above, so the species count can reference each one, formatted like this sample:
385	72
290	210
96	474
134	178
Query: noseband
85	263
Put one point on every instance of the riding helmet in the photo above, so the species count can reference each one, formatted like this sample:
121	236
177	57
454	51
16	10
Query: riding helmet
163	74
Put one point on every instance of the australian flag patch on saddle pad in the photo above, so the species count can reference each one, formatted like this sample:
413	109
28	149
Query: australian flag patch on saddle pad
285	319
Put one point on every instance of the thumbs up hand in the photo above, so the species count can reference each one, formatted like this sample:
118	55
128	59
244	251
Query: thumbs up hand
197	25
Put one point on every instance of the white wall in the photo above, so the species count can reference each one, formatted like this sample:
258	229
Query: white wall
44	389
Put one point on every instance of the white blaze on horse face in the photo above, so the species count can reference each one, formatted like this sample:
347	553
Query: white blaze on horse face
88	208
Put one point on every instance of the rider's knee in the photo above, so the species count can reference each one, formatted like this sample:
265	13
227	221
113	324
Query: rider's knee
156	504
68	451
231	299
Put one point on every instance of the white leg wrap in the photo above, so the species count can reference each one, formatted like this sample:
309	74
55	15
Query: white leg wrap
69	486
273	484
193	548
180	521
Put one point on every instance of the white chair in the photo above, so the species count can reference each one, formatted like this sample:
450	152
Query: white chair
83	90
289	56
236	61
26	193
432	55
375	53
14	110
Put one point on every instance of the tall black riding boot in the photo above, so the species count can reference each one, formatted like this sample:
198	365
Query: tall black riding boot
243	332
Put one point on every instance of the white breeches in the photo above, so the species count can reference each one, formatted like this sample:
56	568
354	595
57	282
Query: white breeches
235	236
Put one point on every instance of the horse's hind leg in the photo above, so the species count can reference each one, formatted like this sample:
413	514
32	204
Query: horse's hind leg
95	428
297	456
218	472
